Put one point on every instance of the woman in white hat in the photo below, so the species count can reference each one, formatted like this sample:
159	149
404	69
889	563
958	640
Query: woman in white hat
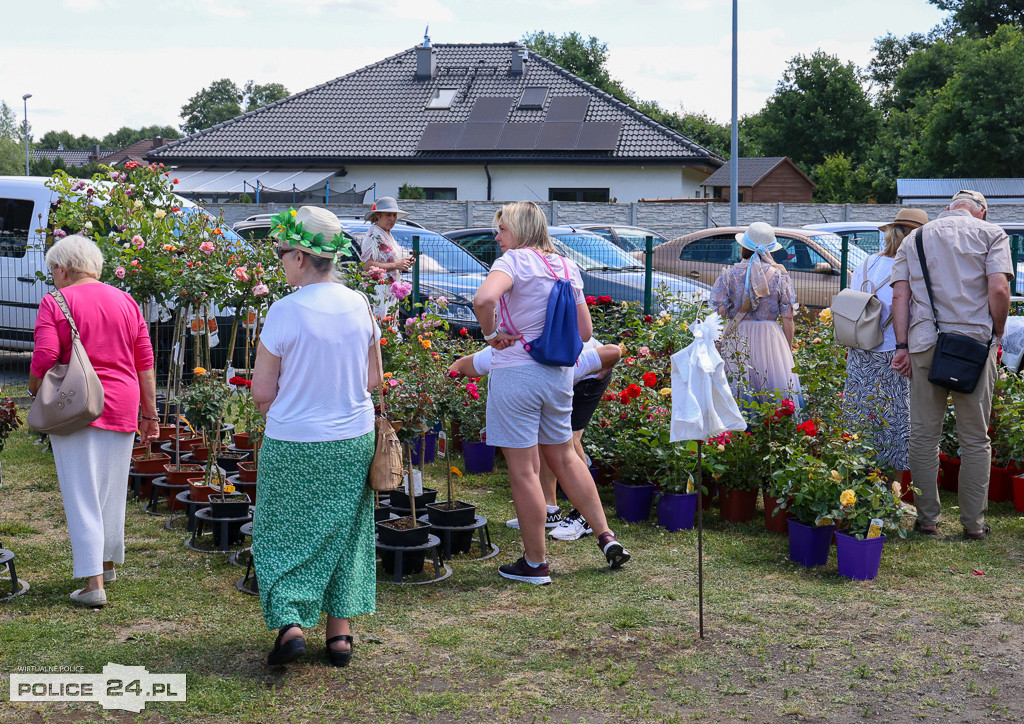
755	295
313	539
879	397
381	251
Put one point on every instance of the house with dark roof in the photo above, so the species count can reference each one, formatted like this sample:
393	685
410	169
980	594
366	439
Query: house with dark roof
486	121
135	152
762	180
940	190
71	158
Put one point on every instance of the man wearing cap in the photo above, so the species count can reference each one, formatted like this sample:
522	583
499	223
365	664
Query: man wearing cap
969	264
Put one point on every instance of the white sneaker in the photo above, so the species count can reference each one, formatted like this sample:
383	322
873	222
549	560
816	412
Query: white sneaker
574	527
553	520
95	598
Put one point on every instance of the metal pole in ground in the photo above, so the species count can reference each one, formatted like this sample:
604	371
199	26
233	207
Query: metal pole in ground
700	537
415	271
648	266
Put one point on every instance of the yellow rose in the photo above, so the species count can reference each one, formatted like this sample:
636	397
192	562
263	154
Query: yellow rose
199	370
847	498
665	392
137	204
426	343
825	315
159	213
721	448
897	491
836	476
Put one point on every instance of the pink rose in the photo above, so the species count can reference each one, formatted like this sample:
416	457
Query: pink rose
59	233
241	274
138	242
119	272
400	290
206	247
471	388
393	383
260	290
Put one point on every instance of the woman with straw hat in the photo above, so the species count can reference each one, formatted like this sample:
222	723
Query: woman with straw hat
755	295
313	541
381	254
879	397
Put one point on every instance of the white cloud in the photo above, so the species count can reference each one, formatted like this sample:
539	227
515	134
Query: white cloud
83	5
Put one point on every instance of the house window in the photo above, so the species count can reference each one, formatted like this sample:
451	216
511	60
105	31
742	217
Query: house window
441	98
600	195
533	97
440	194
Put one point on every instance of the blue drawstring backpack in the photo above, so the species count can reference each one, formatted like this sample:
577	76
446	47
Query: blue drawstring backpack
560	344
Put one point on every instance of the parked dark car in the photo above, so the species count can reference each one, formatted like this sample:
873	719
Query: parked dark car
627	238
445	269
606	269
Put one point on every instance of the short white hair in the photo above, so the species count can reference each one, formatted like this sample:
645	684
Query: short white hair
77	255
969	204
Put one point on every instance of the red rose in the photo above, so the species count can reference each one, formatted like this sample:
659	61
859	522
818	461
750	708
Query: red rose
175	180
238	381
808	428
604	299
591	300
650	379
648	319
464	332
634	390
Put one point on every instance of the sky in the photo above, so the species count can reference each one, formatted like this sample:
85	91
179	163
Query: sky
93	66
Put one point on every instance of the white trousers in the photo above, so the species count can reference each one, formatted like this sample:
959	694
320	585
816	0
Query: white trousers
92	470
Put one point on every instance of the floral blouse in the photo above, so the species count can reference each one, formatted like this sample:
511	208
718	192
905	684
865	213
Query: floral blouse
379	246
729	292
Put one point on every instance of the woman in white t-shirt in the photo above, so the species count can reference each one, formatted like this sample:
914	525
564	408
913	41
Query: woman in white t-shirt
529	405
313	540
878	396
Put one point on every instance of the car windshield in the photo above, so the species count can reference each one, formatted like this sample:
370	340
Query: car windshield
437	254
593	253
834	244
636	239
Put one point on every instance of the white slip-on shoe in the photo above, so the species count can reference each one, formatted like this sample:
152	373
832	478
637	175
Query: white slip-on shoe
109	575
92	598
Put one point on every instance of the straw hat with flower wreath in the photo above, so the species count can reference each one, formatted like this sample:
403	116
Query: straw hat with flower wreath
311	229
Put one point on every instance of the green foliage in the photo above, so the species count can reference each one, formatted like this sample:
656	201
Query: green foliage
981	17
1007	413
818	109
223	100
839	182
870	496
584	57
9	419
12	148
125	136
53	140
409	191
206	400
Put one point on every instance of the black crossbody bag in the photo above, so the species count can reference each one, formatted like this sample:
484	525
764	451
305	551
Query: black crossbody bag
959	360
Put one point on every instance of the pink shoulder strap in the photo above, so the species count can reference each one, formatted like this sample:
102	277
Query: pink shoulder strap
565	267
506	316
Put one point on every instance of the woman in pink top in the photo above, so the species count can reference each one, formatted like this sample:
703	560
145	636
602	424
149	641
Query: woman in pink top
529	405
92	463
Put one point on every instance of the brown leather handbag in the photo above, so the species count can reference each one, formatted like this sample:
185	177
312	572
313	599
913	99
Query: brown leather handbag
70	396
386	470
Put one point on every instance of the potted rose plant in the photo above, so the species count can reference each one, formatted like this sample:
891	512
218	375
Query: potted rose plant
871	505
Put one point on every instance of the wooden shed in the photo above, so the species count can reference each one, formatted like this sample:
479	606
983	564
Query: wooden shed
762	180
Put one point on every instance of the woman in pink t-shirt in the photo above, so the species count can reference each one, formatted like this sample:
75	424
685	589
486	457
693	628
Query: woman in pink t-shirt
92	463
529	405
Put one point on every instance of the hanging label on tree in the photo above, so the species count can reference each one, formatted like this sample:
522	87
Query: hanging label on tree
442	444
690	485
211	327
250	318
197	325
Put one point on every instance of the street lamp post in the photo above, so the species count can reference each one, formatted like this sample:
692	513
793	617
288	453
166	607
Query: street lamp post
25	99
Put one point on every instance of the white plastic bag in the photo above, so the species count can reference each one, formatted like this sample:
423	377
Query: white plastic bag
702	403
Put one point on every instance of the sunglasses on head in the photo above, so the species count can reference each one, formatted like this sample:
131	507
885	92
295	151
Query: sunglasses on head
281	252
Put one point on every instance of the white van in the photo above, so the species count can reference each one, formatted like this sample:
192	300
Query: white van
25	205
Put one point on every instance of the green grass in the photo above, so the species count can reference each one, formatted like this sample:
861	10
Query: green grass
927	638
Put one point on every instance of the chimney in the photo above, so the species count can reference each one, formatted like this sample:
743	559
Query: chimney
426	60
158	142
518	58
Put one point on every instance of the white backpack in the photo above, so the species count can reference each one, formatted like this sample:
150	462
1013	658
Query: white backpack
857	317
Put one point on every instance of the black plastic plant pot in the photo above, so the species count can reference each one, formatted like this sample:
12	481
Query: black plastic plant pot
400	499
394	532
462	541
381	512
412	562
229	505
459	514
229	459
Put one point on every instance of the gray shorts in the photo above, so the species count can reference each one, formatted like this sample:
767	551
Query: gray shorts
529	404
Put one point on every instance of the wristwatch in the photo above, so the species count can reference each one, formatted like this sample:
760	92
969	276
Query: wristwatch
492	335
902	346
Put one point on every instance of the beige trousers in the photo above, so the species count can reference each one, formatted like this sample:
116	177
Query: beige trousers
927	409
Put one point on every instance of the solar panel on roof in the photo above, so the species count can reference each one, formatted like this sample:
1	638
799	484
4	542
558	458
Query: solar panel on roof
490	110
518	136
558	136
479	136
568	108
440	137
602	136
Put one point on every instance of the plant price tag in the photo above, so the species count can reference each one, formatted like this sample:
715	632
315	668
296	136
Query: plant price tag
442	444
118	687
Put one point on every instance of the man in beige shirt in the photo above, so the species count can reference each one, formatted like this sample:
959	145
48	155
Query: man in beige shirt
969	265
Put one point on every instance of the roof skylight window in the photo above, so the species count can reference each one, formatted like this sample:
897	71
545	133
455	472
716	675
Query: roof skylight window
442	98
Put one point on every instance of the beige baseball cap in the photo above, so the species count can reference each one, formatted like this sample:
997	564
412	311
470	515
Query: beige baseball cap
973	195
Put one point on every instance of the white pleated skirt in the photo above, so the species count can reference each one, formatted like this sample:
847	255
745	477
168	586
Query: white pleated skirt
758	359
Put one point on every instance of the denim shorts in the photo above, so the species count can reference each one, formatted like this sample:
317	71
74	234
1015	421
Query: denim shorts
528	405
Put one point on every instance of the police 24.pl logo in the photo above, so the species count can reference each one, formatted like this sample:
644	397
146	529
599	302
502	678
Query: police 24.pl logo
118	687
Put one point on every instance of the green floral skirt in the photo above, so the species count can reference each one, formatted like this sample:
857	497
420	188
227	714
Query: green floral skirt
312	534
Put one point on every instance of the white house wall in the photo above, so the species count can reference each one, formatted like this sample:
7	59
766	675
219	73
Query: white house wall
529	182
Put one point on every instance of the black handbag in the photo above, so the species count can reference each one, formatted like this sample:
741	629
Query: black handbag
959	360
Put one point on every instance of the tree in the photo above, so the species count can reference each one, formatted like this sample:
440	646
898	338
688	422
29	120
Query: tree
223	101
981	17
12	153
53	140
585	58
257	96
210	106
838	182
125	136
818	109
